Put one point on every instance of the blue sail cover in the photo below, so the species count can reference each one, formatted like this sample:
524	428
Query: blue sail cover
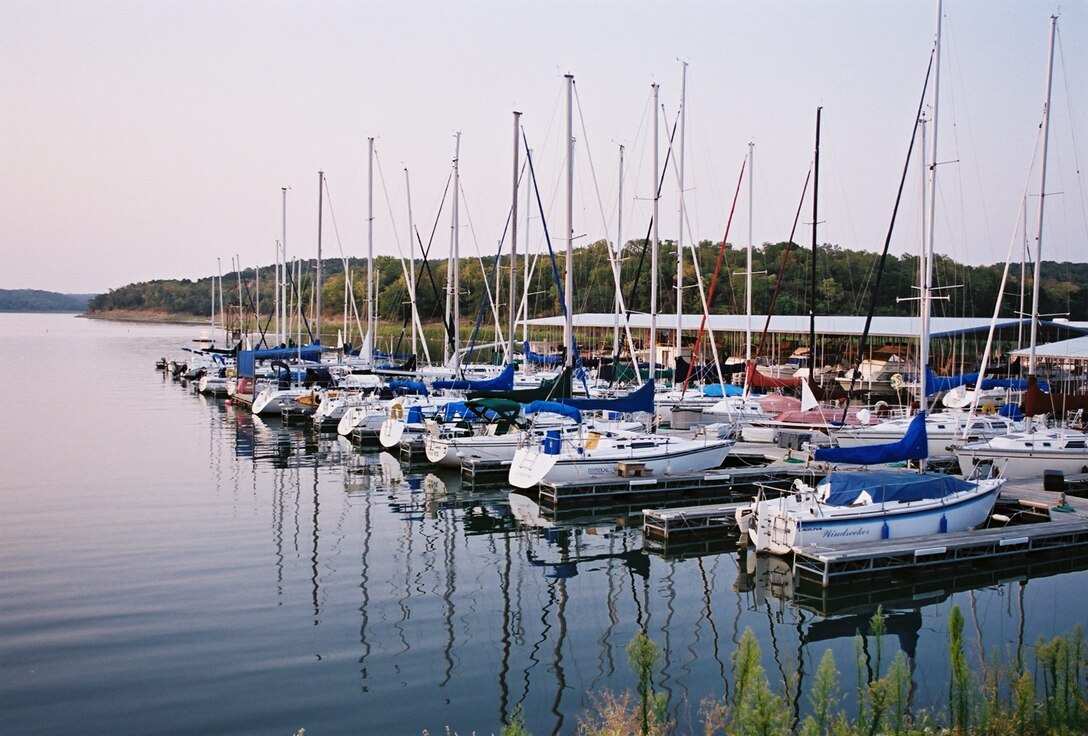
885	486
718	390
540	359
935	383
502	382
641	399
407	386
913	446
247	359
555	408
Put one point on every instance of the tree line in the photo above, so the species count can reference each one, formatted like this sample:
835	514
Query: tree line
843	284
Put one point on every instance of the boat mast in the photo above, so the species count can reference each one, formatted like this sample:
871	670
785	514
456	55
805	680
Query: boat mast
512	297
411	263
368	341
618	250
748	270
317	274
525	289
680	237
654	247
222	313
456	257
812	261
927	261
283	273
1042	202
568	296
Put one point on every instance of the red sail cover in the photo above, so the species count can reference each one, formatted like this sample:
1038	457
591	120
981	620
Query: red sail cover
1037	401
755	379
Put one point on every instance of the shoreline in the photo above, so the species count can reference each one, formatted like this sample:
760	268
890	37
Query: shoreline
136	315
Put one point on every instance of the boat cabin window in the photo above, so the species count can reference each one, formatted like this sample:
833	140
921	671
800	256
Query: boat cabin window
1075	444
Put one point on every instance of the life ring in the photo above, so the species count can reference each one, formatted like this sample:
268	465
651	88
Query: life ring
396	411
896	381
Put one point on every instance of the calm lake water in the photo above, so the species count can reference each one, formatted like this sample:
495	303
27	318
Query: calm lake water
172	565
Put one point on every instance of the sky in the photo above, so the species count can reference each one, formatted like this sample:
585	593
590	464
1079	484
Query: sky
151	140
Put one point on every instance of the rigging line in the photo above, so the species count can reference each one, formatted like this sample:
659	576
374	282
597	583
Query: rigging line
782	273
717	268
573	347
489	298
864	339
488	278
351	286
400	250
650	225
1073	133
426	265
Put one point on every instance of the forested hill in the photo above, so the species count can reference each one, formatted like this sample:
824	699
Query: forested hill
843	284
35	300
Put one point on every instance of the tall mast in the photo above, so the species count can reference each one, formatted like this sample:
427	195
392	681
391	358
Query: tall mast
512	298
317	276
748	270
680	237
618	250
411	262
222	312
927	260
1042	201
568	296
283	274
654	247
368	342
525	281
456	286
812	264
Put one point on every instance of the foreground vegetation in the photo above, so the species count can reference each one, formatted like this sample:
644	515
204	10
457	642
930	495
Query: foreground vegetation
844	278
1001	698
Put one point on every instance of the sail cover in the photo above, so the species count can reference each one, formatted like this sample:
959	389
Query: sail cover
913	446
641	399
885	486
502	382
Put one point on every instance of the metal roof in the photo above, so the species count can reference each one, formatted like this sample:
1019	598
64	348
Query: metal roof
798	324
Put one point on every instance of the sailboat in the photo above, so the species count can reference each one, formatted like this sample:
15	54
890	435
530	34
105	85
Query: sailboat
1028	454
850	506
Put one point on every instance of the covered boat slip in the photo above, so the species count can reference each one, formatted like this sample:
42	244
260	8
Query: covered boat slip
1062	532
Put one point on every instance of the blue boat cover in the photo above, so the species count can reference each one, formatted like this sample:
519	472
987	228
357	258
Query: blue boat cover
247	359
935	383
913	446
886	486
555	408
718	390
642	399
409	386
540	359
502	382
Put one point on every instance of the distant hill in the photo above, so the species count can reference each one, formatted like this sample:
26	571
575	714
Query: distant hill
36	300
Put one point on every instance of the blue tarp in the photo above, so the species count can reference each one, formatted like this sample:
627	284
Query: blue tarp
935	383
885	486
555	408
641	399
247	359
913	446
718	390
502	382
541	359
409	386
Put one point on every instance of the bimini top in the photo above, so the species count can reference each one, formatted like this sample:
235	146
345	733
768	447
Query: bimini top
887	486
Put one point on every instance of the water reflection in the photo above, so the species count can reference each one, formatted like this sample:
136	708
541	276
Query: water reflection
467	605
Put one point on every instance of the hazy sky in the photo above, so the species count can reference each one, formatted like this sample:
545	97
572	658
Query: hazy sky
144	140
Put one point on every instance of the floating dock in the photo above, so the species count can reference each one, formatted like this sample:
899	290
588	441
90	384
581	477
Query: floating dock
1036	522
